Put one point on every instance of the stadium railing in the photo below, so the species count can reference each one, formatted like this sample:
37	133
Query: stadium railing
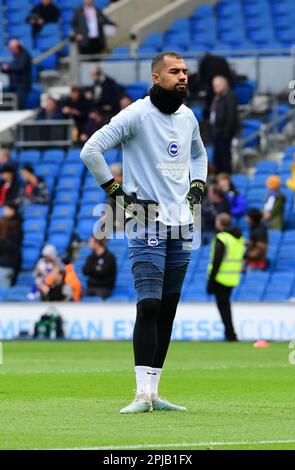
51	133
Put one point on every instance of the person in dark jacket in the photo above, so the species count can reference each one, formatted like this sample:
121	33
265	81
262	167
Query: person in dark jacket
212	66
224	119
237	201
35	190
107	91
226	263
88	23
100	266
19	71
274	204
214	203
10	244
9	185
94	122
50	111
255	256
44	12
58	291
76	106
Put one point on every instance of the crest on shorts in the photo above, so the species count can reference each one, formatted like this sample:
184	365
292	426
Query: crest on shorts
153	241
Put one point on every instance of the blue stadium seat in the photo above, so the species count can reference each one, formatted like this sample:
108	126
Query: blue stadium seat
73	155
36	210
66	197
36	238
3	293
30	256
61	212
86	211
47	169
153	39
91	183
137	90
73	169
93	196
245	91
17	294
29	156
53	156
25	278
289	238
62	225
258	180
68	183
267	167
35	225
33	97
84	228
249	127
60	240
241	182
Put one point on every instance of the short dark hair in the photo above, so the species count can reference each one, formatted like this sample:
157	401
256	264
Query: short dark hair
159	59
28	168
255	215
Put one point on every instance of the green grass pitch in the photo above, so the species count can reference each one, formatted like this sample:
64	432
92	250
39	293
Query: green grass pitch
68	395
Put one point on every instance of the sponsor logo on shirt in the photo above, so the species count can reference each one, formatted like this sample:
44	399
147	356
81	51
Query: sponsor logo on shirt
173	149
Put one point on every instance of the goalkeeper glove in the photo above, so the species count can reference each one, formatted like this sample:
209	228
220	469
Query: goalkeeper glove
195	195
143	210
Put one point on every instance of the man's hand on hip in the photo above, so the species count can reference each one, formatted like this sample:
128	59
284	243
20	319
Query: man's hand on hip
143	210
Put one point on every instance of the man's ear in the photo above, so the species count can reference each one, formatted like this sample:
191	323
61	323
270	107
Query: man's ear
156	78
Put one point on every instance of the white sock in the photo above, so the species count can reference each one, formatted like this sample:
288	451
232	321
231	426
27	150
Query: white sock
156	375
143	379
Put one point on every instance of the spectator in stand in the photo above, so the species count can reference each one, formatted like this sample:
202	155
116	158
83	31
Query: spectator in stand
5	158
58	290
106	91
210	67
19	71
124	102
43	267
9	185
215	203
35	190
50	111
94	123
43	13
10	244
71	279
237	200
224	119
274	205
88	26
76	106
100	266
255	256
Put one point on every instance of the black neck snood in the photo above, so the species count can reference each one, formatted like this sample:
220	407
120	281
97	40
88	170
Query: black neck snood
167	101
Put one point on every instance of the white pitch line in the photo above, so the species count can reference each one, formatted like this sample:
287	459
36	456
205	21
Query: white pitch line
183	444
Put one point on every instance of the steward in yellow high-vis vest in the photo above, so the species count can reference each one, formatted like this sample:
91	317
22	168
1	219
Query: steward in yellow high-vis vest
224	270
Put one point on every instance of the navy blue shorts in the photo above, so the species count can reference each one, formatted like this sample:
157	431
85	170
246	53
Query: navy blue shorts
159	265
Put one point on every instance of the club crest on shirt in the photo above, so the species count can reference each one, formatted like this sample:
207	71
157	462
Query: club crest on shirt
153	241
173	149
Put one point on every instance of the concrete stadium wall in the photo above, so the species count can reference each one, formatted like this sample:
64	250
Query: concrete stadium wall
126	13
114	321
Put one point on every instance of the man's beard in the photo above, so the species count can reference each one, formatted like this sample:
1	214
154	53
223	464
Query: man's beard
167	101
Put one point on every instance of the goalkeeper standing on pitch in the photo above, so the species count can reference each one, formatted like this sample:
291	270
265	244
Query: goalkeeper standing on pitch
164	175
